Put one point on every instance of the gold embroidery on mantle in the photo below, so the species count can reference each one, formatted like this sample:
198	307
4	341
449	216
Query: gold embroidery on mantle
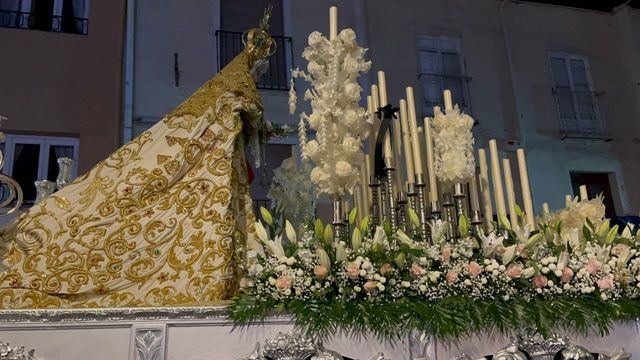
158	223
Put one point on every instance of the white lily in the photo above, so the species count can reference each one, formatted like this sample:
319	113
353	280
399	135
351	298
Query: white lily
509	254
341	253
563	260
291	232
627	233
414	218
266	215
379	237
490	243
603	252
571	237
275	247
404	239
624	255
438	230
261	232
522	232
323	258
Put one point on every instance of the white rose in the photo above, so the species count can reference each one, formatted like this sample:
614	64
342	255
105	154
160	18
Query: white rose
352	89
348	37
351	145
317	175
405	284
314	68
343	169
287	292
315	39
350	64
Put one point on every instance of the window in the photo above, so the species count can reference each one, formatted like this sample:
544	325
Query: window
442	67
237	16
68	16
574	96
30	158
597	184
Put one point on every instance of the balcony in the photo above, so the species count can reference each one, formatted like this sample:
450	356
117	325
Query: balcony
53	23
579	114
229	45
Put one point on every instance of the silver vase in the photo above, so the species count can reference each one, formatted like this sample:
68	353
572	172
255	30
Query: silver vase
44	189
65	172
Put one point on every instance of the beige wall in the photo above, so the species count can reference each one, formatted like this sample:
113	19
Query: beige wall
56	83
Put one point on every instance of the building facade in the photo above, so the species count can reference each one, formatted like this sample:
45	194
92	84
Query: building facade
61	84
561	82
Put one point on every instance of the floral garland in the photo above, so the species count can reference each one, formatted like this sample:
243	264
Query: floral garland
453	146
340	123
389	283
292	191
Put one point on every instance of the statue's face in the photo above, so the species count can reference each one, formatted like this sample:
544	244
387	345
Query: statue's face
260	67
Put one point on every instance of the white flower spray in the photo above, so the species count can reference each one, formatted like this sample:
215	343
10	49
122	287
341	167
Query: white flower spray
453	146
341	125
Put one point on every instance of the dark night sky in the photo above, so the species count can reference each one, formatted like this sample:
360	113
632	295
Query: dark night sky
600	5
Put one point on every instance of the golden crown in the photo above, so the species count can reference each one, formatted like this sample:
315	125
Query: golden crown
257	41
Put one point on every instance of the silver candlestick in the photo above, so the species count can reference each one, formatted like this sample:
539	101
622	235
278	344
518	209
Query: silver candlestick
65	165
411	196
476	222
449	214
458	198
375	202
390	199
421	204
401	211
436	211
44	189
337	219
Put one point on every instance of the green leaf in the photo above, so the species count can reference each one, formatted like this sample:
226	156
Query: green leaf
266	215
519	211
328	234
319	230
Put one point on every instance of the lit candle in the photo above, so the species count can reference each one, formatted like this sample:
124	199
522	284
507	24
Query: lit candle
413	127
511	194
406	141
473	192
487	208
333	22
568	199
448	100
526	189
584	195
433	184
497	179
545	208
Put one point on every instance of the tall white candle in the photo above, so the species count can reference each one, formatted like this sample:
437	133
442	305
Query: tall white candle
433	183
511	194
448	100
487	208
382	86
413	127
406	141
568	199
372	128
367	174
333	22
526	189
584	195
497	178
545	208
375	98
382	101
473	193
357	197
397	153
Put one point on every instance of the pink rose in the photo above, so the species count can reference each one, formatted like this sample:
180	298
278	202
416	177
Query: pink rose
567	274
353	271
605	283
474	269
416	271
283	283
452	276
370	285
593	266
514	271
320	272
539	281
446	255
385	268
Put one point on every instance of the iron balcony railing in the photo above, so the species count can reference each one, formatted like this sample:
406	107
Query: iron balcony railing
32	21
229	45
579	113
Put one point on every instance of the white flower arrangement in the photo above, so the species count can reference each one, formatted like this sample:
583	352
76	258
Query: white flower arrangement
453	146
516	265
341	125
292	191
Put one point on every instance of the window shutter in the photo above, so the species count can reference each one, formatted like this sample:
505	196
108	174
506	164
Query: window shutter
564	97
583	95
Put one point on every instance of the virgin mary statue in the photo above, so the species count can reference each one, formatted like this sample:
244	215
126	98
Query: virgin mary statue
163	221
